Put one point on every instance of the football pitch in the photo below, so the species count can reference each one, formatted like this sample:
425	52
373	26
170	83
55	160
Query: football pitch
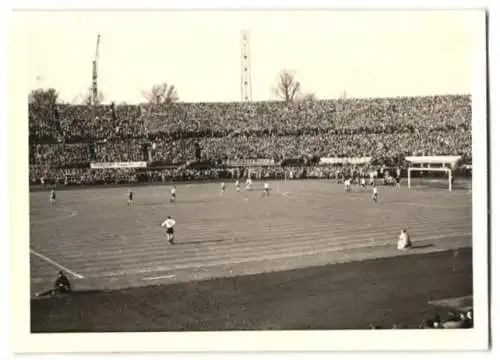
103	244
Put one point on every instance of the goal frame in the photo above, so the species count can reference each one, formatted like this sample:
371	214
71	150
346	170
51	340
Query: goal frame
431	169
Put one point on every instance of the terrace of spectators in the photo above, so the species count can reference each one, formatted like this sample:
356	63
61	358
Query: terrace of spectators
69	137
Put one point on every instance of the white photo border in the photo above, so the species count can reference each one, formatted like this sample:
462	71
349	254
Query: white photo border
335	340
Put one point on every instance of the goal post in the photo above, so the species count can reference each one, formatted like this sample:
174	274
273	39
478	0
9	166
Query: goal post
442	164
447	171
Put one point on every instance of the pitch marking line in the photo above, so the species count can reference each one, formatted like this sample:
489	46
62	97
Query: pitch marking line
52	262
355	246
159	277
72	213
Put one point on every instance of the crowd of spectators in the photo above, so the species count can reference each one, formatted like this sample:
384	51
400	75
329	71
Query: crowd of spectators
431	112
66	137
453	320
81	123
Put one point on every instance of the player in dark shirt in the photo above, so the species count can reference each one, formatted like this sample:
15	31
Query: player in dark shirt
130	197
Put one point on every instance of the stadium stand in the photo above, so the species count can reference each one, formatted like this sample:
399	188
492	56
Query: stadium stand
190	140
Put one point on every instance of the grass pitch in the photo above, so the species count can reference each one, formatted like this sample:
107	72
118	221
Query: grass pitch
104	244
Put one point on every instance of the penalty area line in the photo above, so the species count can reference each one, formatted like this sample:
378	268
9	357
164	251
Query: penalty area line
52	262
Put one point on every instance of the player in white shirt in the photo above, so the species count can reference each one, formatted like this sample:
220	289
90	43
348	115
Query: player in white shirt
52	196
372	178
398	178
404	241
363	182
237	185
168	224
347	185
266	189
248	184
173	194
375	194
222	188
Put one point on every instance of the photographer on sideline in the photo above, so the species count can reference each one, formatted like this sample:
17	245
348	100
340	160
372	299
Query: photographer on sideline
61	286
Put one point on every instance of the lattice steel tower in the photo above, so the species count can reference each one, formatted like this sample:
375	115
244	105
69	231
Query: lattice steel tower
246	74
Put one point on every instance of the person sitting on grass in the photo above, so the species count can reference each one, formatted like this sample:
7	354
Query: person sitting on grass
404	241
61	286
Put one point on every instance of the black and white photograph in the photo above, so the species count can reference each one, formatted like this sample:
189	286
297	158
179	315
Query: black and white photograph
253	172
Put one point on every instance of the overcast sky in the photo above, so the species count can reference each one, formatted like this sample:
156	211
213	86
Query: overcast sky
365	54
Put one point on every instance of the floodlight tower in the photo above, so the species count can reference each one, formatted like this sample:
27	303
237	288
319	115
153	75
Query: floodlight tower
246	74
95	90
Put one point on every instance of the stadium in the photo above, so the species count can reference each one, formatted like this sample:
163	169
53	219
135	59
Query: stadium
314	254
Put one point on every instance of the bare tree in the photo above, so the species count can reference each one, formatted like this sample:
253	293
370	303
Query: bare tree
308	97
87	98
46	101
287	88
100	98
43	97
161	94
78	99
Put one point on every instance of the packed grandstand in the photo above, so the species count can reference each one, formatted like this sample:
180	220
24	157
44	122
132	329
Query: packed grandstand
83	144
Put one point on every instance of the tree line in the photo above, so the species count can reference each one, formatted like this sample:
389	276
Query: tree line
287	89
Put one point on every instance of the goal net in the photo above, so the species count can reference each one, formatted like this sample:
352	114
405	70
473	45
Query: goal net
448	174
440	166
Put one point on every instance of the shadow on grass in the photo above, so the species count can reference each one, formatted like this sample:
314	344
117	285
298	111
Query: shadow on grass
320	298
74	293
426	246
187	243
152	203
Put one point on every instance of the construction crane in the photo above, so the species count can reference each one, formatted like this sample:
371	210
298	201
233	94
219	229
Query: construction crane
95	90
